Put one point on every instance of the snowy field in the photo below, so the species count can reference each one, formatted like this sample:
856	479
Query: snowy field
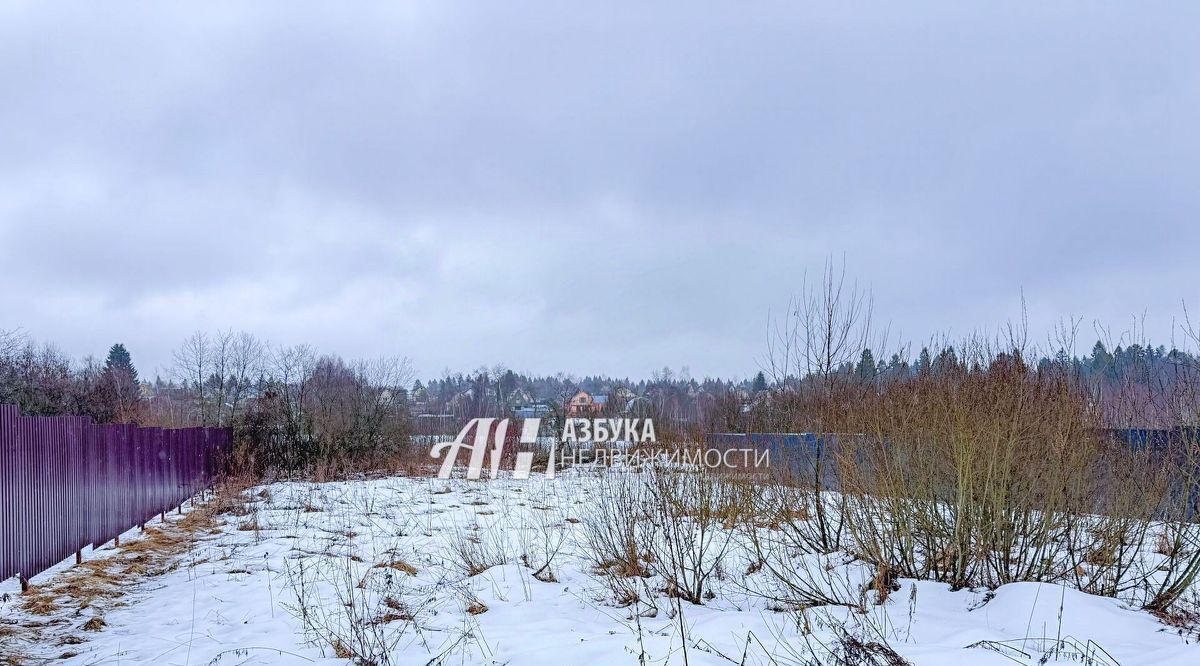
425	571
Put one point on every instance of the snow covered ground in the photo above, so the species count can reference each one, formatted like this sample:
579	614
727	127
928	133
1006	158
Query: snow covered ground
420	571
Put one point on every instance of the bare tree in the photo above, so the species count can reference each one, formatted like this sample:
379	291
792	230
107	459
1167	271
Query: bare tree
239	362
825	329
193	367
10	342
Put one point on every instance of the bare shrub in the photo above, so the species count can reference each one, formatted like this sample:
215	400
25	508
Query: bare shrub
822	333
783	539
612	526
543	538
856	640
969	467
689	531
969	476
355	611
478	548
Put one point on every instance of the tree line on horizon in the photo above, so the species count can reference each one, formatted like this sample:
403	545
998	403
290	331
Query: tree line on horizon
43	381
294	396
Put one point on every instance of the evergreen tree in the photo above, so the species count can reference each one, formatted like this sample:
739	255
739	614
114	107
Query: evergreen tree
507	384
760	383
866	365
946	360
1101	361
120	382
924	363
119	359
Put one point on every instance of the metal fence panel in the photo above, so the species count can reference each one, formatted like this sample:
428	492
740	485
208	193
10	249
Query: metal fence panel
66	483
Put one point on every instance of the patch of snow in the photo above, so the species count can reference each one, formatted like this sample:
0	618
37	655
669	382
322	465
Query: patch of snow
240	598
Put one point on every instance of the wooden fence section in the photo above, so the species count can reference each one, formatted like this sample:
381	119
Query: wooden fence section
66	483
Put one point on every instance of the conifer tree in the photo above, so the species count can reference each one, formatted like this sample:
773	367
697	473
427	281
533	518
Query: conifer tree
760	383
119	359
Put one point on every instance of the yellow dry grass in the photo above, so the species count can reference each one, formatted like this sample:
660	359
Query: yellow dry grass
398	565
158	541
38	603
200	520
250	526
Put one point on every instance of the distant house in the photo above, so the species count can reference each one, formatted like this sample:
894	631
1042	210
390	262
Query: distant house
519	397
623	394
535	410
584	404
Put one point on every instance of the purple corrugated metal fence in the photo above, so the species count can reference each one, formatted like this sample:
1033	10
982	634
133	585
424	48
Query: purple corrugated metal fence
66	483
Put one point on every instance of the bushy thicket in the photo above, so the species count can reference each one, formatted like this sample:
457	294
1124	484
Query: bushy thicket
43	381
981	476
976	468
291	408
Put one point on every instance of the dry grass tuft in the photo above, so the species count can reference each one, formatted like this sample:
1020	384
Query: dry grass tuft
250	526
199	520
156	541
39	602
400	612
1163	545
136	566
399	565
94	624
93	571
341	651
88	594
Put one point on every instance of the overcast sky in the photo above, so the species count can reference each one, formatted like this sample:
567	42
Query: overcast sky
602	189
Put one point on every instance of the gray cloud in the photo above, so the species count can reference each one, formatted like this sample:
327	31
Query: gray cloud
591	189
